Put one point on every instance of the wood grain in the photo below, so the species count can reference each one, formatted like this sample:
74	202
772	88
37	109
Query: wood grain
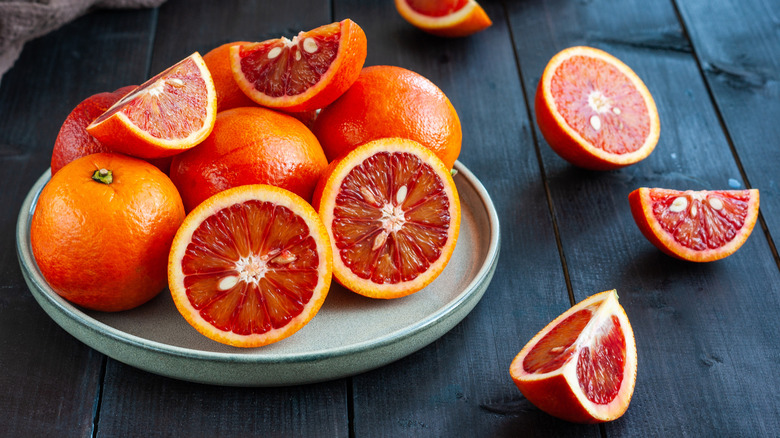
50	380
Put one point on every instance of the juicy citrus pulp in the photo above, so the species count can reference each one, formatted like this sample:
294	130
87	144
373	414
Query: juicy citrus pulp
582	366
448	18
393	214
250	266
167	114
594	111
305	73
699	226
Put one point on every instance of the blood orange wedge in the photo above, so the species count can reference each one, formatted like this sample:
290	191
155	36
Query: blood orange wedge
167	114
698	226
582	366
305	73
447	18
393	214
594	111
250	265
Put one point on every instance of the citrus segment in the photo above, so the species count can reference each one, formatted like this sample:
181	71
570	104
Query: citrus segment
699	226
305	73
388	101
167	114
582	366
594	111
250	266
228	94
393	214
449	18
81	224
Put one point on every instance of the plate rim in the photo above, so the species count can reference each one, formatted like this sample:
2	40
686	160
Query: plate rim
75	315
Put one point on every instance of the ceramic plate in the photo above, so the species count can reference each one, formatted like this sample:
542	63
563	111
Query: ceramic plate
351	334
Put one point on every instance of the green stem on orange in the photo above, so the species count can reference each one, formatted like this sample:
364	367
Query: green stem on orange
104	176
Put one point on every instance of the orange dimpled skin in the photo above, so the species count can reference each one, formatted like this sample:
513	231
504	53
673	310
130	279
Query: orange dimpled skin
102	241
228	94
250	146
388	101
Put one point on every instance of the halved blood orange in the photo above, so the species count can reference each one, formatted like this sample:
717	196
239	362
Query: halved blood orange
250	265
167	114
594	111
393	214
582	366
305	73
447	18
698	226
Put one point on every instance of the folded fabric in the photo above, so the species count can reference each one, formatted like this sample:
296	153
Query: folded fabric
21	21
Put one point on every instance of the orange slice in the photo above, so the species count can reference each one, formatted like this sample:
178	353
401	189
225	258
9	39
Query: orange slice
594	111
305	73
392	211
448	18
250	265
167	114
698	226
582	366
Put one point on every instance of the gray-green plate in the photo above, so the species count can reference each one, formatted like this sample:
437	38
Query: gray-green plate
351	334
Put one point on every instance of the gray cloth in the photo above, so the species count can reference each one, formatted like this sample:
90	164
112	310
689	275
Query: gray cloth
23	20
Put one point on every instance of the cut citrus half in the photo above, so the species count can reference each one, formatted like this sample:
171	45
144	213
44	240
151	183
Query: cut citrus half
167	114
392	211
250	266
305	73
594	111
582	366
698	226
448	18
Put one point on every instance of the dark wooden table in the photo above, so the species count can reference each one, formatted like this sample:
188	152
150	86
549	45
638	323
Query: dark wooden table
707	334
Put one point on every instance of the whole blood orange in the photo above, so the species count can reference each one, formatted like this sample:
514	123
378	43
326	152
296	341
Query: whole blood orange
73	140
228	94
594	111
393	215
582	366
250	266
389	101
305	73
698	226
250	145
102	229
446	18
165	115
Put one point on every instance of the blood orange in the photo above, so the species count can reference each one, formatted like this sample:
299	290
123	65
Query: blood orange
228	94
582	366
167	114
250	266
448	18
305	73
594	111
389	101
393	214
699	226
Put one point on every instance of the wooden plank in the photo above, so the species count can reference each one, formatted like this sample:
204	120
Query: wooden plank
50	380
739	51
698	327
162	403
460	385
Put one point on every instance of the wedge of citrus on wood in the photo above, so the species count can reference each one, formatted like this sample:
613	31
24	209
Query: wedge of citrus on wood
167	114
250	266
698	226
393	214
305	73
446	18
582	366
594	111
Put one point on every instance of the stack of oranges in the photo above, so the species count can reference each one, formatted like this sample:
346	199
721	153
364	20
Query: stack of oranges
245	179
